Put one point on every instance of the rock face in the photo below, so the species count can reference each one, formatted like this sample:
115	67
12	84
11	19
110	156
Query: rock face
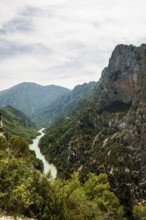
124	77
109	135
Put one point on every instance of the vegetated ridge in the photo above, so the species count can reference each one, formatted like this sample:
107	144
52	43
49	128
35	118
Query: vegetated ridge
18	124
107	133
63	105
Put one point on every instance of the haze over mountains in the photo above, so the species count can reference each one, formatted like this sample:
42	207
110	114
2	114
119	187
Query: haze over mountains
63	104
31	97
43	103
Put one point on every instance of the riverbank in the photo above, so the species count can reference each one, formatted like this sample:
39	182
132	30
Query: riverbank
35	146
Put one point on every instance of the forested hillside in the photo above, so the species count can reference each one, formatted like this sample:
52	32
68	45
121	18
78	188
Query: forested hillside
17	123
24	190
63	105
106	133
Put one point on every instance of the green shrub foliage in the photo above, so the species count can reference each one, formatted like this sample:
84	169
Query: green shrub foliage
24	190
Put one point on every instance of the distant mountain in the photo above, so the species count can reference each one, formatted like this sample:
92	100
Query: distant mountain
107	133
44	104
64	104
30	97
17	123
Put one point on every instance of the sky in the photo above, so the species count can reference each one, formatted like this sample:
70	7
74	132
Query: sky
64	42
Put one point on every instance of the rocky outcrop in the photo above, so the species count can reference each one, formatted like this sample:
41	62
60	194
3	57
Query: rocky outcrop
124	77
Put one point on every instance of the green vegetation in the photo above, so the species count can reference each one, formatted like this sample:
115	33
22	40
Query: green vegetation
92	200
139	212
17	123
87	141
63	105
25	191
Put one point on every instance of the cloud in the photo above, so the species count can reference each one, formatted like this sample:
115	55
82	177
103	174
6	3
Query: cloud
62	41
30	11
16	25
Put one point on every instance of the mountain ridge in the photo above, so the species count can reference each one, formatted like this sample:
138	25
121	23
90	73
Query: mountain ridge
64	104
108	135
30	97
44	104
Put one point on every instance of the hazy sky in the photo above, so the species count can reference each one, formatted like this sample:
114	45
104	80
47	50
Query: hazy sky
64	42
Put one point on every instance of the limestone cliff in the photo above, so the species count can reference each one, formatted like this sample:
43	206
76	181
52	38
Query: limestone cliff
124	77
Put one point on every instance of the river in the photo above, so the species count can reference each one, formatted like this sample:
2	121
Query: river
34	146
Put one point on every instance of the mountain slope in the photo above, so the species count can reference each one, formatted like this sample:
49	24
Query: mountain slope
107	133
17	123
64	104
30	97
